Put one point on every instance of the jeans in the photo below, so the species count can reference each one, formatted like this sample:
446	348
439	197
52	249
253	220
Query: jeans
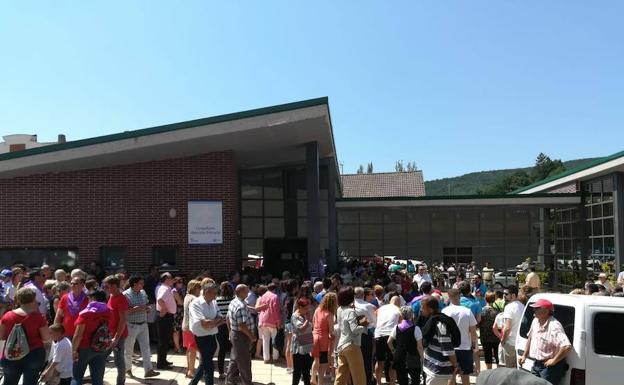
96	361
138	333
302	363
207	346
224	347
120	361
367	355
552	374
165	336
30	366
404	374
268	336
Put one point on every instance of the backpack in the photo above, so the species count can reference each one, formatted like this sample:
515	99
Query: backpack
16	345
101	340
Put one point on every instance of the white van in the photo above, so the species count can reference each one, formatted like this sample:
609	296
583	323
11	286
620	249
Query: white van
595	327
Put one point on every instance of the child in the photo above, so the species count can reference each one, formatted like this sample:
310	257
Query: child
61	362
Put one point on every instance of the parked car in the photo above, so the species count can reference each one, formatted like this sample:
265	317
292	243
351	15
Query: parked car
593	325
503	279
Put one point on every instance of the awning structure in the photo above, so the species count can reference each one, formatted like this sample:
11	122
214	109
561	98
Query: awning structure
541	200
260	138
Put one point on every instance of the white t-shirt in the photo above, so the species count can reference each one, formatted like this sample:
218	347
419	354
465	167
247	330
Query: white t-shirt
387	319
368	309
200	310
62	356
464	319
513	311
417	333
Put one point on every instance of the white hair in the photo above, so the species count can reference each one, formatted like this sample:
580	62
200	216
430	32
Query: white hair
78	273
58	273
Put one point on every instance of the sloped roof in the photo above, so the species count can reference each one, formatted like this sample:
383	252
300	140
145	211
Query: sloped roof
581	171
384	184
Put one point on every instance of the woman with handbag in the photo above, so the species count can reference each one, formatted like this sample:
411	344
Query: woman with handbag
301	345
31	331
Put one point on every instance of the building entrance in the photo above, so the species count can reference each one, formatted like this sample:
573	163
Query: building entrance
286	254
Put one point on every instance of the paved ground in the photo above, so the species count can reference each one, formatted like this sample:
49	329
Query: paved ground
263	374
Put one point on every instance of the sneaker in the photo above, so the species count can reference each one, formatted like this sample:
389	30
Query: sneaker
289	370
151	373
129	373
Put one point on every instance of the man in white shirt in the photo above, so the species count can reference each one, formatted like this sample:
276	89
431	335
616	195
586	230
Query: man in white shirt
204	322
36	282
620	279
388	317
166	308
512	317
422	275
469	347
367	309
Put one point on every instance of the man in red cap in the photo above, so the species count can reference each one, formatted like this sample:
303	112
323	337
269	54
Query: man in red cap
547	343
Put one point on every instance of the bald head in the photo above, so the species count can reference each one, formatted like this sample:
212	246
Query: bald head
396	301
241	291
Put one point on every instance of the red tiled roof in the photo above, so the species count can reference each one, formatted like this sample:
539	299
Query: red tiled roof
385	184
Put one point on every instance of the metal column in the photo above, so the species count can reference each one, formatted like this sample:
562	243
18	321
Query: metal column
313	220
618	220
332	228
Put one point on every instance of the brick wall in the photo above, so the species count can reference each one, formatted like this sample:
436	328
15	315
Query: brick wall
124	206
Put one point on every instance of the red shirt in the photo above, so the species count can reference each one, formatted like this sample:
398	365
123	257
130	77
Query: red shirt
91	321
31	324
117	303
68	320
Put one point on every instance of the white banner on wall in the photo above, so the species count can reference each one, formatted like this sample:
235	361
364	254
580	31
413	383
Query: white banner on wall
205	222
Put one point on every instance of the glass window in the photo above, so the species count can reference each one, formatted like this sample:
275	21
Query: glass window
606	341
563	314
596	211
394	231
251	208
597	227
251	227
371	231
608	245
113	257
251	185
302	228
56	257
162	255
394	216
607	226
274	227
607	209
252	246
348	231
370	216
302	208
597	246
273	208
273	185
302	193
348	216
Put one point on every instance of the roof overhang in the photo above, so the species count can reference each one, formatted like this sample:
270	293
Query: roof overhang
596	169
542	200
262	137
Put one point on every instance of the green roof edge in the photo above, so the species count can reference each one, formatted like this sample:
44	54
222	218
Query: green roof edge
457	197
571	171
167	128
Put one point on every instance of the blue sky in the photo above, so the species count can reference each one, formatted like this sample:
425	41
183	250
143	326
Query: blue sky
456	86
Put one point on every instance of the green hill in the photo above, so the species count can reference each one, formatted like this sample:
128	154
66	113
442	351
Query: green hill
472	182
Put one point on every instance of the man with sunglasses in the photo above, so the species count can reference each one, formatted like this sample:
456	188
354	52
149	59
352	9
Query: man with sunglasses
512	317
70	305
547	343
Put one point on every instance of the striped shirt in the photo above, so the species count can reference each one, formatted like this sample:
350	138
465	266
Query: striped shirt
437	353
223	304
238	314
136	299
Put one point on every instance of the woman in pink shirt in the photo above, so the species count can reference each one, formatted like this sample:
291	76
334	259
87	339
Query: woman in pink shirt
269	321
323	334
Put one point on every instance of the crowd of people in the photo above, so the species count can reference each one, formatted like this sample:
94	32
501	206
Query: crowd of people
371	322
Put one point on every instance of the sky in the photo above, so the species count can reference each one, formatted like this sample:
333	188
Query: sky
456	86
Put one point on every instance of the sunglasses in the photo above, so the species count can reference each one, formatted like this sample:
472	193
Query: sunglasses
504	293
75	283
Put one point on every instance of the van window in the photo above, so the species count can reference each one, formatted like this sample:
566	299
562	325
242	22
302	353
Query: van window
608	334
563	314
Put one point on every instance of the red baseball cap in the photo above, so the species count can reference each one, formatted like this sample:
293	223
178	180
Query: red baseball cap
543	303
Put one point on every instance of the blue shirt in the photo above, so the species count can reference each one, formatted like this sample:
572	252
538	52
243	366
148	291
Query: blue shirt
472	304
482	289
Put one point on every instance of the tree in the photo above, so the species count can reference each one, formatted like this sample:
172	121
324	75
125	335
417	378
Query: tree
545	167
369	168
411	166
360	170
398	166
509	183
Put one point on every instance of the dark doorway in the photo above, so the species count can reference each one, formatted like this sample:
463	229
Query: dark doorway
286	254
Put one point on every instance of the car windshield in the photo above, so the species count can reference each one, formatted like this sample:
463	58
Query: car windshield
563	314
